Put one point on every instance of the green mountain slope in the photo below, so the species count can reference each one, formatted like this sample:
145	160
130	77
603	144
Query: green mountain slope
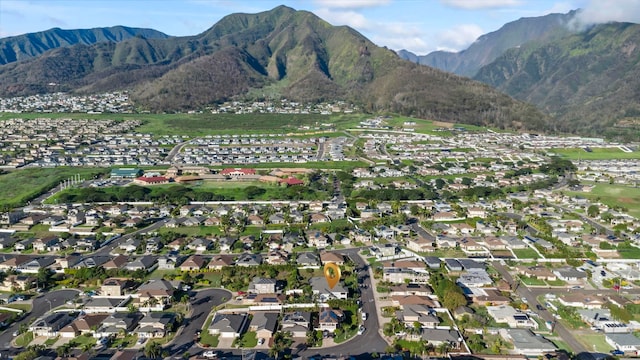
27	46
489	46
589	81
282	52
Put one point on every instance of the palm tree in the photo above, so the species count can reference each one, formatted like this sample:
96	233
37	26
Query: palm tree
64	350
153	350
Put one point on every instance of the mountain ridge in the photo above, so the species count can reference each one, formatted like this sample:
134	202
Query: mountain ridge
588	80
493	44
27	46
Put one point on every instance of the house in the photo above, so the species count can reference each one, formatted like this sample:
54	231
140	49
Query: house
329	319
219	261
226	244
116	263
320	288
505	314
432	262
247	259
13	283
85	324
200	244
453	265
525	342
169	261
49	324
159	289
103	305
420	244
113	287
264	323
229	325
537	272
155	325
475	278
146	263
410	289
277	258
418	313
626	342
438	337
130	245
308	259
34	265
297	323
193	262
570	274
117	323
316	239
582	301
330	257
92	261
261	285
405	300
46	243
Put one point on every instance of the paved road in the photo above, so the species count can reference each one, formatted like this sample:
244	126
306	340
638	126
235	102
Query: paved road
40	307
531	297
201	303
106	250
176	149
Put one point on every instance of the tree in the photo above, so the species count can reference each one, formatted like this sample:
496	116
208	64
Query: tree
593	211
281	341
64	350
153	350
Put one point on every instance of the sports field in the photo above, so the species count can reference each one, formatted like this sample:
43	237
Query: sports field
615	195
595	154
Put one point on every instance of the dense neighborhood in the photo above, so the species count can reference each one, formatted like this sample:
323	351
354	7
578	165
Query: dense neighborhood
451	242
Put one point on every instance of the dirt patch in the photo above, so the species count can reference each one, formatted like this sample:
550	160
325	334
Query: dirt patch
627	200
443	124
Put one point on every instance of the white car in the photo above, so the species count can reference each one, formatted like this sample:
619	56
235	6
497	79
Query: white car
361	330
260	341
364	316
209	354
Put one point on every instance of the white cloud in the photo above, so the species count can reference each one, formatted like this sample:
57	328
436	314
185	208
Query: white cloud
599	12
480	4
459	37
349	18
351	4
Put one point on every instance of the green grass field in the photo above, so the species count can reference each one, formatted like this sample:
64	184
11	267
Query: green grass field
205	124
526	254
595	342
596	154
615	195
19	186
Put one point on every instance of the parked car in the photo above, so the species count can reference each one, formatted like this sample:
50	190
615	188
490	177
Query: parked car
210	354
364	316
361	330
260	341
617	352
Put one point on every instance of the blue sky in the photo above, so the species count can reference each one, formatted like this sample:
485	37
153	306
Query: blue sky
420	26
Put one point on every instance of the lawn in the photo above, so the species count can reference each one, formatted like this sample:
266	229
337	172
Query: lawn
17	187
192	231
596	154
128	341
526	253
614	195
247	340
24	339
80	341
594	342
532	281
207	339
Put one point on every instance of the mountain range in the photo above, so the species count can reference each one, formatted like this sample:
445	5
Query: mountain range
27	46
277	53
588	80
490	46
